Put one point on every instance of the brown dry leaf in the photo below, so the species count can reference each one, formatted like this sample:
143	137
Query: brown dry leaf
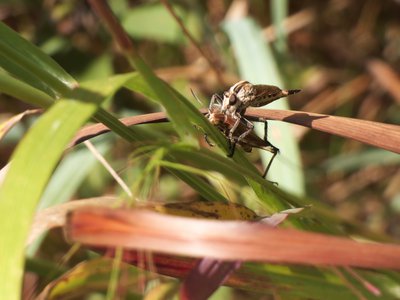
91	131
54	216
385	136
225	240
7	125
209	273
386	77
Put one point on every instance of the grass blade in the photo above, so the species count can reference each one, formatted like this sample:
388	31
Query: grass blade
30	170
30	64
257	65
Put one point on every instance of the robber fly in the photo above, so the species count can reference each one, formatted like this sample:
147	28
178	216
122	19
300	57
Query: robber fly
247	139
244	94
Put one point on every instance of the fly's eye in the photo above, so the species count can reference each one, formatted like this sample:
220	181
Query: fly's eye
232	99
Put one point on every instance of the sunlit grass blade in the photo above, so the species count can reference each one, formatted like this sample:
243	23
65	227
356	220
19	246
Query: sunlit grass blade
279	11
257	65
31	167
23	91
66	180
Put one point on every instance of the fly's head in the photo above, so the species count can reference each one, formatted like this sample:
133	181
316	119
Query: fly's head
238	97
230	103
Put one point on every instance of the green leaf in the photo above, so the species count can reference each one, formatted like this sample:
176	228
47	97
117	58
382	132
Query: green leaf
27	62
66	180
23	91
31	167
180	111
351	162
88	276
279	11
155	22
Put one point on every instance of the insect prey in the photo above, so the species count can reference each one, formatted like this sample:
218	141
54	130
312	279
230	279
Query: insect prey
244	135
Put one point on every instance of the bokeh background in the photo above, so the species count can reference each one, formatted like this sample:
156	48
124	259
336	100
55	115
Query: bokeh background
343	54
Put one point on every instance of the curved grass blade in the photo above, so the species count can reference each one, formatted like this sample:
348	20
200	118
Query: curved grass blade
65	181
24	91
257	65
31	167
27	62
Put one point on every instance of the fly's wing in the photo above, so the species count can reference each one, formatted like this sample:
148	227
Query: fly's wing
265	94
252	140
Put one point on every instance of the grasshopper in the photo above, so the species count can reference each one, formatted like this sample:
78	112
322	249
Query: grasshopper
245	137
244	94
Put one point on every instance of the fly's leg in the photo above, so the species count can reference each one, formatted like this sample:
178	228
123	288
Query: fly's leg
238	119
232	146
208	141
274	150
234	127
214	99
231	138
249	128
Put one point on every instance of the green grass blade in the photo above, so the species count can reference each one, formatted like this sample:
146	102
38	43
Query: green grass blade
153	22
279	11
31	167
256	64
23	91
66	180
187	110
351	162
200	185
24	60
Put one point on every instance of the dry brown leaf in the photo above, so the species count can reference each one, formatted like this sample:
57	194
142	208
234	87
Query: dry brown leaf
386	77
54	216
385	136
7	125
209	273
225	240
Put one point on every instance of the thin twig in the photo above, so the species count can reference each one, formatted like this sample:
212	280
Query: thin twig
108	167
291	24
103	10
347	283
210	61
368	285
